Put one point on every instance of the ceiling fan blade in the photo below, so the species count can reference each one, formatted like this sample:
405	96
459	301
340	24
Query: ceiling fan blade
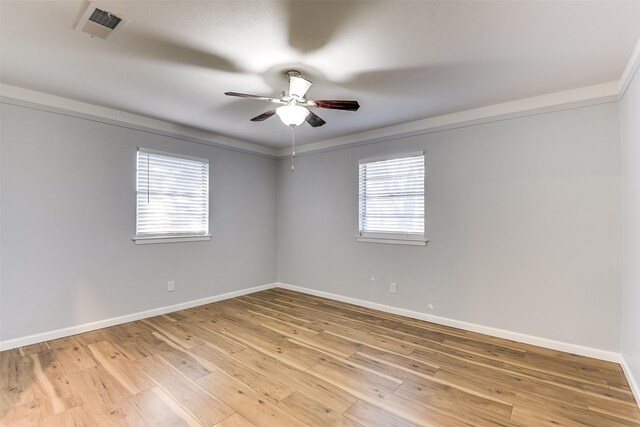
298	86
160	46
264	116
337	104
314	120
246	95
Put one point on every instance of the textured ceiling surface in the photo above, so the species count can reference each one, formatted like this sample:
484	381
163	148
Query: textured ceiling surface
402	60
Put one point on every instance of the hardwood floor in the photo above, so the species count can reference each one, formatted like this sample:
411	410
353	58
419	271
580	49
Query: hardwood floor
281	358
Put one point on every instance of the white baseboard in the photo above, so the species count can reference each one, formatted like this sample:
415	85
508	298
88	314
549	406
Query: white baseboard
515	336
633	383
595	353
72	330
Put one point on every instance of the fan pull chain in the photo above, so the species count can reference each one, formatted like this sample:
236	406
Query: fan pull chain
293	149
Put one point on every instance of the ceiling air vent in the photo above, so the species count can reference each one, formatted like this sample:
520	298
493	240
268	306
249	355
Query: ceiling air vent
98	22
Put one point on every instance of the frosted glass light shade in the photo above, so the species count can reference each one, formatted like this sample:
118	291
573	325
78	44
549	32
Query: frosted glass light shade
292	115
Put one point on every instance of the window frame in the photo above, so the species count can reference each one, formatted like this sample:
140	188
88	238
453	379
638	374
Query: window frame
146	239
393	238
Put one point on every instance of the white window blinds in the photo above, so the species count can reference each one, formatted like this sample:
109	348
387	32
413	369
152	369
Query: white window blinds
172	195
392	197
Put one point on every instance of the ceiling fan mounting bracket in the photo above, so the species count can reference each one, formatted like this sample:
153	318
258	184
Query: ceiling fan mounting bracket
292	73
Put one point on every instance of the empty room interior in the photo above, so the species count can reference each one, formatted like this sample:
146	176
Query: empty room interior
314	213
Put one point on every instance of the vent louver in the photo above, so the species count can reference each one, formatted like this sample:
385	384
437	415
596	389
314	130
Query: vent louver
105	19
98	22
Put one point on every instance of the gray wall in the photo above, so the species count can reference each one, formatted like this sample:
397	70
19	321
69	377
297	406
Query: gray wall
68	216
523	218
630	137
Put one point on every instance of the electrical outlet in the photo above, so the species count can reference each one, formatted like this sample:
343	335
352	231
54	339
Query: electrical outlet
393	288
171	286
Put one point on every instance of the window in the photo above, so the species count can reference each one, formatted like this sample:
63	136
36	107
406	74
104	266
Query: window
391	196
172	197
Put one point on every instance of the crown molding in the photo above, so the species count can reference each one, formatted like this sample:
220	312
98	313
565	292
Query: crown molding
565	100
629	71
29	98
558	101
575	98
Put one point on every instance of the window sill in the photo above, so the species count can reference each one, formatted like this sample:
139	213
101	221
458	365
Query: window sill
176	239
392	241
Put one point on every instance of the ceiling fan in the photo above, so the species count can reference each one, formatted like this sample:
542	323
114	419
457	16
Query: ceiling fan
295	107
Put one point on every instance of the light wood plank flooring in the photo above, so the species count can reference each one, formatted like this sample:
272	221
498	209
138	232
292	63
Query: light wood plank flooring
282	358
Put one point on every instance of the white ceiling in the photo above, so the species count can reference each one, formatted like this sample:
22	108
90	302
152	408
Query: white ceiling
402	60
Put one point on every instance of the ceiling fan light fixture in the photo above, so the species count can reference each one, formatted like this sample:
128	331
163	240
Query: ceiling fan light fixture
292	114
